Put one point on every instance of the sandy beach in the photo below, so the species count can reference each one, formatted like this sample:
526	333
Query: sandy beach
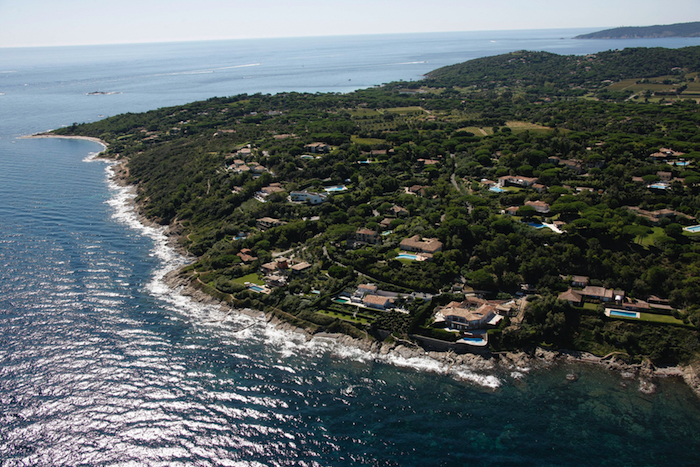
51	135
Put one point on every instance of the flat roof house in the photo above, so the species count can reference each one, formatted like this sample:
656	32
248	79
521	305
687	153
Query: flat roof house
307	197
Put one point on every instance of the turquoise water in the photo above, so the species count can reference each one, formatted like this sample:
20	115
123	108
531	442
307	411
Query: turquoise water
497	189
407	256
536	225
693	229
102	364
625	314
255	288
472	339
335	188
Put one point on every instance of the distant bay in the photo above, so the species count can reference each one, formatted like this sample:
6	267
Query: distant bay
102	364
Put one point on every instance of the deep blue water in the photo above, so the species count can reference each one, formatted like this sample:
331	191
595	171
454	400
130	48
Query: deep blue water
101	364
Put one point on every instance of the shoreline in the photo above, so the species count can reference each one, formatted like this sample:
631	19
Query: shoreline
513	362
104	144
449	363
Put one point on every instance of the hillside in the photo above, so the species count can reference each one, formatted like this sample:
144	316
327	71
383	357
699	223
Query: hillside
549	73
379	211
644	32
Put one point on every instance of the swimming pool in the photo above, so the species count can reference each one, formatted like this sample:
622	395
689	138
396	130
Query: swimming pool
535	225
693	229
659	186
497	189
473	341
407	256
335	188
624	314
256	288
342	301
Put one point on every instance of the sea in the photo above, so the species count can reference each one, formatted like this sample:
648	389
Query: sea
102	364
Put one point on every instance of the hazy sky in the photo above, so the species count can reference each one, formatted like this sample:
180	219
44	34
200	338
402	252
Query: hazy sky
73	22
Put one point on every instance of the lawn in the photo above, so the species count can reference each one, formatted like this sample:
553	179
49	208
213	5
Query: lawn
344	316
649	240
252	278
522	126
370	141
666	319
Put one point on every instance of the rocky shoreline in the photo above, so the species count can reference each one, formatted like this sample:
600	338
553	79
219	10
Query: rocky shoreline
645	372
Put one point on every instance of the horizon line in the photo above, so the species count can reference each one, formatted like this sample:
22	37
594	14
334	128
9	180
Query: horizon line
175	41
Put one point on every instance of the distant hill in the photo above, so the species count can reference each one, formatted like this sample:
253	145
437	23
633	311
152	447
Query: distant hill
525	69
647	32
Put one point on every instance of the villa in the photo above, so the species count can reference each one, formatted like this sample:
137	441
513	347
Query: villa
376	301
307	197
539	206
428	245
317	148
265	223
572	296
367	236
300	267
516	180
458	315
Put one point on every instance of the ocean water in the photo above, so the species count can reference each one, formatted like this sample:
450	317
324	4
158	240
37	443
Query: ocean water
102	364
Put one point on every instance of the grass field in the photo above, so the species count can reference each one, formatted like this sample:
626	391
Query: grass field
521	126
370	141
405	110
252	278
363	112
666	319
345	316
649	240
478	131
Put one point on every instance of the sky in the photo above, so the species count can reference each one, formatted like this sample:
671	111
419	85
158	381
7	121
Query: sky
29	23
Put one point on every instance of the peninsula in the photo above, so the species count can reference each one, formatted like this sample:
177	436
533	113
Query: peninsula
511	202
647	32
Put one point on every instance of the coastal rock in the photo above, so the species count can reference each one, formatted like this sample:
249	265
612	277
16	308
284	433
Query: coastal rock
571	376
386	348
518	360
646	386
546	355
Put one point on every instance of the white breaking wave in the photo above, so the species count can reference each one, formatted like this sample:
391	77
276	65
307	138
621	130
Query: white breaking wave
410	63
254	330
206	70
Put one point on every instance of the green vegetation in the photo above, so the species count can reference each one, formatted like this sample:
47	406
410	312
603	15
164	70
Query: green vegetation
578	141
638	32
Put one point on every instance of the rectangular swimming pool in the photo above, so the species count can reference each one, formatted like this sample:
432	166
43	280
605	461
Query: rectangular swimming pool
624	314
693	229
256	288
